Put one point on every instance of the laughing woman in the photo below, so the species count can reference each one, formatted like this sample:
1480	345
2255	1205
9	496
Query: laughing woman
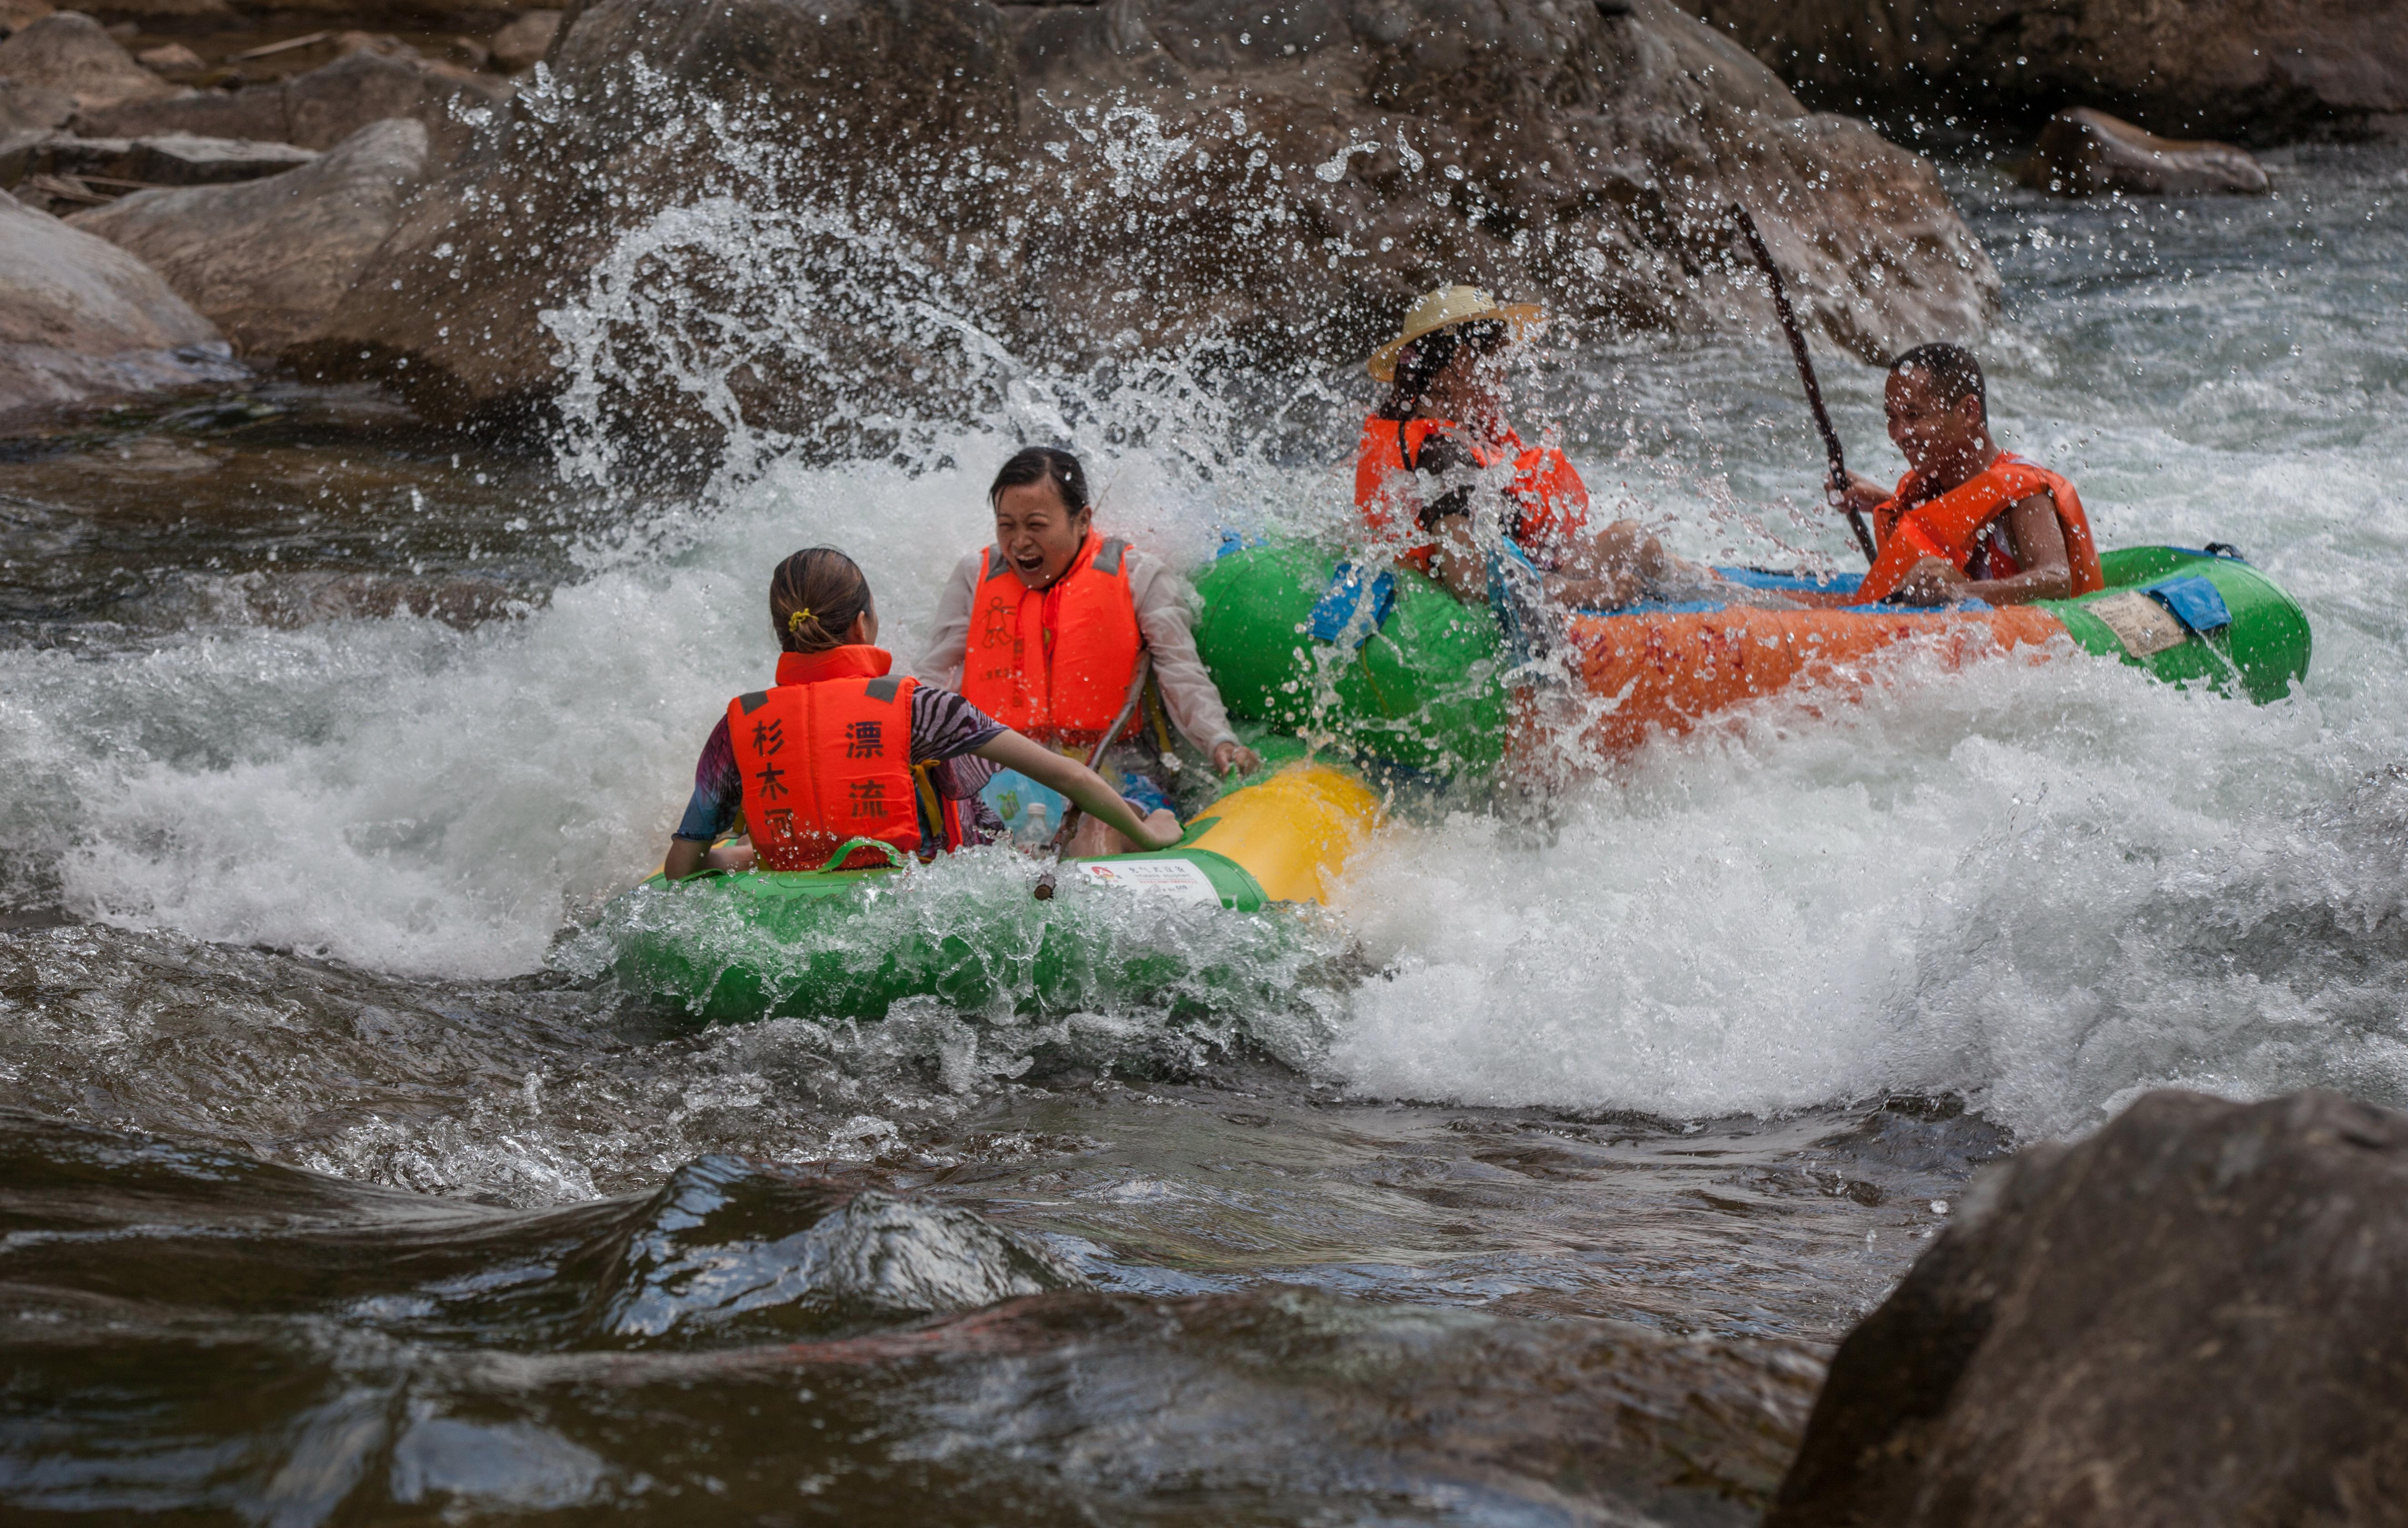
1043	630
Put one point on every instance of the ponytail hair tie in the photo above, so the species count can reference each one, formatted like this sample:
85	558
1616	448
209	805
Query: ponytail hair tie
795	621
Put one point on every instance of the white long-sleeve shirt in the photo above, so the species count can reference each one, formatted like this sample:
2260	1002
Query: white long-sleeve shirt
1166	618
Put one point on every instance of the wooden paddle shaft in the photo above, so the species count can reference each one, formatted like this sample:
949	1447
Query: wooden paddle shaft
1837	487
1069	827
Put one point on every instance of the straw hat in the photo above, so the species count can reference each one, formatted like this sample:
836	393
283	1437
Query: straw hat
1446	306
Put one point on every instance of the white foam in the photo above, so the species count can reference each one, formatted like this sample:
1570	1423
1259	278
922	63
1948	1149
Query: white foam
2046	885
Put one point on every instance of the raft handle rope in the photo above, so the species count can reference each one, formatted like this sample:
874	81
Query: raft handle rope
844	853
1835	488
1061	844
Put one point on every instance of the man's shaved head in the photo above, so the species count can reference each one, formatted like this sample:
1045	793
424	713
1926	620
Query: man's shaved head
1948	371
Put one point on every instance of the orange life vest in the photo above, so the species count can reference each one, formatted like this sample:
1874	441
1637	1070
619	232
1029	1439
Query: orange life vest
827	757
1550	501
1952	526
1054	662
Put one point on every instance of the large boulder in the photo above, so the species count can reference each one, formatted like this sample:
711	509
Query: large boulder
2261	71
80	318
918	179
32	109
73	54
2083	152
268	261
2193	1317
318	109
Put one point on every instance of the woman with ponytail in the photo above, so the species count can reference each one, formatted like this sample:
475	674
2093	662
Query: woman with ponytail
840	756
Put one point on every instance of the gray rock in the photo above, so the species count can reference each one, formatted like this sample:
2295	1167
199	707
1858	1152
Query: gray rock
2260	71
2083	152
268	261
73	54
170	159
1139	175
526	40
2192	1318
80	318
25	108
318	109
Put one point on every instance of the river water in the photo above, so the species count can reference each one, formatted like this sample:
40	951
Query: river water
1530	1185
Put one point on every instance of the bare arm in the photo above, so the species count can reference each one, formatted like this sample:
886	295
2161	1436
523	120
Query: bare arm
690	857
2040	542
1459	564
2040	547
1078	782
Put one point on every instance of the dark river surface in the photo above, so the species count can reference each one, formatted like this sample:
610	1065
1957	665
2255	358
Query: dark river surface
1530	1184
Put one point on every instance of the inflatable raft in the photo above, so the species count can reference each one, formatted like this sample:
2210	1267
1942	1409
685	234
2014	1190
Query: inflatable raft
851	943
1392	669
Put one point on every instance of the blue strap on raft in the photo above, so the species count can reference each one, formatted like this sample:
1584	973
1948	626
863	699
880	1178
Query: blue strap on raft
1342	610
2195	602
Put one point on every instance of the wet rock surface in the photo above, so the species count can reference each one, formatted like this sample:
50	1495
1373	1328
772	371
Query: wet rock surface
2260	71
2190	1317
1092	180
267	261
2083	152
80	318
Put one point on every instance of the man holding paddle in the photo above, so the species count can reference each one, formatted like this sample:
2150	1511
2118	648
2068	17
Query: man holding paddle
1968	520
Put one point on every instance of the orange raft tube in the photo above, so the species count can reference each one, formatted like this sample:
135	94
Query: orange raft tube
1389	667
1670	669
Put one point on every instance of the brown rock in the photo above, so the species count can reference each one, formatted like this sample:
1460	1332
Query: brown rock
2260	71
2193	1317
524	42
70	53
2083	152
266	262
179	12
171	58
80	318
1136	176
318	109
16	15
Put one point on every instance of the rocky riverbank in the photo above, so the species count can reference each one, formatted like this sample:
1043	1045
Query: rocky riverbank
1071	182
2259	71
2191	1317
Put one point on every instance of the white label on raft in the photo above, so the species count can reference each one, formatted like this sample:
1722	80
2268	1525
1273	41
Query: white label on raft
1182	881
2140	624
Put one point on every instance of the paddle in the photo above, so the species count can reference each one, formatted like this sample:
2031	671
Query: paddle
1062	836
1837	487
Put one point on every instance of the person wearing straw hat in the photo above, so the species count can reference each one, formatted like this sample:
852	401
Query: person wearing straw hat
1438	436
